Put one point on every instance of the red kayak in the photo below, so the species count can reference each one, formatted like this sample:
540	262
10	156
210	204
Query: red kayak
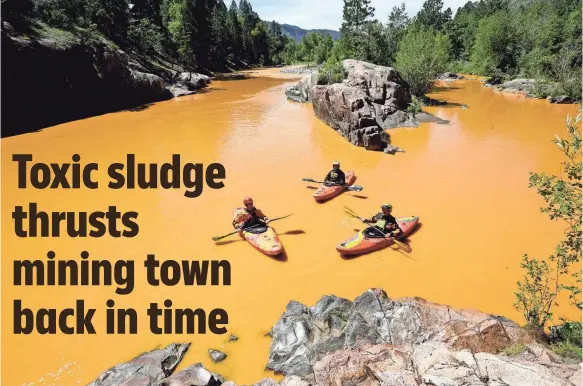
264	239
368	240
327	192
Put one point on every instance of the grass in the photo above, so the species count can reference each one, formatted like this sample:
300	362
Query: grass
514	349
567	349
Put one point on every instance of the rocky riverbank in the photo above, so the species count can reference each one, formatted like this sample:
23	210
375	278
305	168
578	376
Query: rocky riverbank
52	76
532	88
369	100
375	340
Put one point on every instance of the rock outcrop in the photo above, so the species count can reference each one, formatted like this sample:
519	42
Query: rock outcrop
370	100
377	341
146	369
304	335
436	364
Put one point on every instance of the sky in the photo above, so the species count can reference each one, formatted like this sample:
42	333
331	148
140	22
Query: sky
315	14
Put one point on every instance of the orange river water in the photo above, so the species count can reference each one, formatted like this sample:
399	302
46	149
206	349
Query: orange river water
467	181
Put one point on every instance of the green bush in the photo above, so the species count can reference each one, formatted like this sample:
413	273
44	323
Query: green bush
145	35
331	72
495	50
423	55
416	106
514	349
568	350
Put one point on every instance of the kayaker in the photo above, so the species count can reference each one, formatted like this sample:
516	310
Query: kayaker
249	215
335	176
385	221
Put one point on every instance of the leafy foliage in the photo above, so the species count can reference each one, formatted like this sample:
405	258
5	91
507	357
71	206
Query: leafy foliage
423	54
537	293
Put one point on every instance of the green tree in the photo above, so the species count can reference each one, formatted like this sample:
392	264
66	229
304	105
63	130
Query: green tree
395	30
423	55
545	279
431	15
235	31
495	49
356	15
220	36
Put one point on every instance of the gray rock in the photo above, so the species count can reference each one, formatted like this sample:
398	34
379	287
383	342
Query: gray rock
562	99
192	80
266	382
450	76
217	356
178	91
390	149
301	92
233	338
144	370
294	381
195	375
304	335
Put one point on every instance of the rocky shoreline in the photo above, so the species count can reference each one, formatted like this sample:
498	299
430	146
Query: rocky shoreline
375	340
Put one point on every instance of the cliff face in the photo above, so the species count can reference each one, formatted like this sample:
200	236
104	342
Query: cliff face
378	341
52	78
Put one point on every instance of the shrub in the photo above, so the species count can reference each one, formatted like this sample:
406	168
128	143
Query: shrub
514	349
331	72
422	56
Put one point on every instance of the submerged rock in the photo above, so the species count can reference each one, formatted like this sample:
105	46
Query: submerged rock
217	356
146	369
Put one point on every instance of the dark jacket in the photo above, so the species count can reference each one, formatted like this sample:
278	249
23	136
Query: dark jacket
336	177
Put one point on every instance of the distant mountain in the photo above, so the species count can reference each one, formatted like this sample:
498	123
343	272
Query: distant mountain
298	33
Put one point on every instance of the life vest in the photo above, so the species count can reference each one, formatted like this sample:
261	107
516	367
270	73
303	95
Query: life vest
381	222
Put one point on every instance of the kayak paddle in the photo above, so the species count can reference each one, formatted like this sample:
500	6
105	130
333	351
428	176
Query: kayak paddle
217	238
353	188
354	215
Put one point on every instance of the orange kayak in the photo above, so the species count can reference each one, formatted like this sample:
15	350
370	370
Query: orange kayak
327	192
264	239
368	240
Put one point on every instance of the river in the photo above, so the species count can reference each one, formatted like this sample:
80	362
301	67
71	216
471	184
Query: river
467	181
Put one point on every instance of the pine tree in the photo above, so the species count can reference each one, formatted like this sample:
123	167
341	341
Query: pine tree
356	16
220	35
395	31
431	15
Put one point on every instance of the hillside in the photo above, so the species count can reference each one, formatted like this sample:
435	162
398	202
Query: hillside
297	33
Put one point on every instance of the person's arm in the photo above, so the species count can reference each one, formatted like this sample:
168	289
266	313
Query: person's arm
327	178
261	216
370	220
341	178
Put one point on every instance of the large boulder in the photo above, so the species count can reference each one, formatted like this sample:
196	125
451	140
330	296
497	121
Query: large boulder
303	335
145	370
371	99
